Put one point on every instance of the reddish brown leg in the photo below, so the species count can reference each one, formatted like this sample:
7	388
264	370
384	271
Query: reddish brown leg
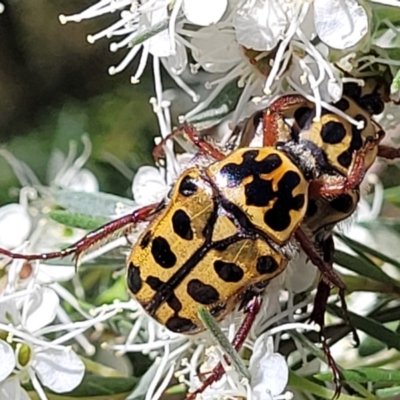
123	224
273	116
193	136
329	278
390	153
331	186
252	309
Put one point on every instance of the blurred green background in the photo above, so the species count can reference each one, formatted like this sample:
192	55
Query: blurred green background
54	87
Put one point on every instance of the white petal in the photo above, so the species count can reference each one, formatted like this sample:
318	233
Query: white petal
205	12
261	25
300	274
340	23
59	370
269	372
55	273
148	186
160	44
208	41
7	358
40	310
11	390
84	181
15	225
178	61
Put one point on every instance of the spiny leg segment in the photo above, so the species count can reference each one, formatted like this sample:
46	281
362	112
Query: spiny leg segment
121	226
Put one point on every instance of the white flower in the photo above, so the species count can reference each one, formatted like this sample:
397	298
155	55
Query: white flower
2	8
261	24
15	225
7	360
269	371
11	389
204	13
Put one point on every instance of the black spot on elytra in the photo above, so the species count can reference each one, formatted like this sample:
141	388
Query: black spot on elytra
312	208
162	254
342	104
345	158
201	292
145	240
343	203
259	192
352	89
278	217
236	173
181	225
333	132
134	280
228	272
217	310
154	282
266	265
187	187
174	303
372	103
303	116
180	324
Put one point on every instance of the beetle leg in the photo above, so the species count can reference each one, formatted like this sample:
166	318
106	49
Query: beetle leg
273	118
114	228
331	186
388	152
194	137
252	309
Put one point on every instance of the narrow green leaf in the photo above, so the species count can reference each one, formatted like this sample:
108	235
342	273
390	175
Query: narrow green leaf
362	249
388	392
95	204
304	385
362	266
371	327
393	195
75	220
370	346
364	375
222	105
209	322
94	385
396	82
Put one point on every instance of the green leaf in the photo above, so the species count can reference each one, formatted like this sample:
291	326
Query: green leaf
383	12
362	266
95	204
94	385
370	346
395	83
364	375
221	106
216	332
116	291
305	385
362	249
370	326
76	220
393	392
393	195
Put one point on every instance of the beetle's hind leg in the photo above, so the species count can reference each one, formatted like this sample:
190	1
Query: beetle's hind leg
194	137
115	228
251	311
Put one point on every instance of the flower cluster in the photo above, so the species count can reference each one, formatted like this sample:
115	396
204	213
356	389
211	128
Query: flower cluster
229	57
